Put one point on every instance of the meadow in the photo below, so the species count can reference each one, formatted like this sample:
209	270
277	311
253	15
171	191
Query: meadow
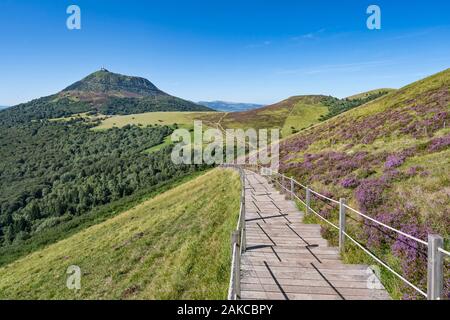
182	119
173	246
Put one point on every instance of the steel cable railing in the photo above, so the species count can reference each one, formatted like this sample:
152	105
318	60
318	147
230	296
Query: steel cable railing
387	227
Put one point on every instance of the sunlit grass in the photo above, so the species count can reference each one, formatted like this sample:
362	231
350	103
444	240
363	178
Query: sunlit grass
174	246
182	119
302	116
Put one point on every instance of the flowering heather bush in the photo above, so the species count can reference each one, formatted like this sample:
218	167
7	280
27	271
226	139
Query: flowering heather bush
350	182
392	175
425	173
409	152
394	161
369	193
378	236
412	255
421	115
439	144
414	170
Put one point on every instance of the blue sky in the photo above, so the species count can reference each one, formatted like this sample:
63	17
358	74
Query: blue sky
236	50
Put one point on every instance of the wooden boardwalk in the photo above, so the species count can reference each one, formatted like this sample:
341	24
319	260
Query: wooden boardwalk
286	259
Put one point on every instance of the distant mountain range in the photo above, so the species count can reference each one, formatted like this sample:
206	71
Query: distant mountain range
101	92
229	106
3	107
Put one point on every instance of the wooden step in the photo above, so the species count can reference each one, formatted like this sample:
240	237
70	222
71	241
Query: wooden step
287	259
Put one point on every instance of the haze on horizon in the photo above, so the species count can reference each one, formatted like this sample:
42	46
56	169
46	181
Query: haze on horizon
249	52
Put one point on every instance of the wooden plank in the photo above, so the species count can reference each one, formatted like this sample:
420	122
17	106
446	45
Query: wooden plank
287	259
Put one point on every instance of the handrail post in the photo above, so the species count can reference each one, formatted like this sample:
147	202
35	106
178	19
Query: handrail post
308	199
292	188
243	240
341	225
282	184
237	266
435	267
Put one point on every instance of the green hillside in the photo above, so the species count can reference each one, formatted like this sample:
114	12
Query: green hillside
101	92
103	81
290	114
174	246
362	95
390	159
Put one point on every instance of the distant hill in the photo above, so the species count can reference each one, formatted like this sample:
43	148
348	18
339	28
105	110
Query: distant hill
390	159
100	92
289	115
229	106
293	114
3	107
113	84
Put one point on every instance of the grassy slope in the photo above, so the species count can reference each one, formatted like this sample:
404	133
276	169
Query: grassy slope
366	94
97	215
411	117
306	112
174	246
297	112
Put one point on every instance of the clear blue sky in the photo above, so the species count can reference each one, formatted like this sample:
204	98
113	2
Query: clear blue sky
236	50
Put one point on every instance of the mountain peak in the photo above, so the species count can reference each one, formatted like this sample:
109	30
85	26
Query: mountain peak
106	82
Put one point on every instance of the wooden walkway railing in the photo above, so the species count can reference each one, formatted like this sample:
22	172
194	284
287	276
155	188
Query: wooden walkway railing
436	252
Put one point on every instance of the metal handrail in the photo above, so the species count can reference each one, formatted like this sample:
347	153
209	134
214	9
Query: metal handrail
441	250
434	244
386	266
388	227
237	242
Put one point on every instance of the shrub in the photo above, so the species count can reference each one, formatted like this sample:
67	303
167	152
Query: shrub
369	193
439	144
350	182
394	161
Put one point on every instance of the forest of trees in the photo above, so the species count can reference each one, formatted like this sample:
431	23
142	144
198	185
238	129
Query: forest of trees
337	106
54	106
52	171
148	104
43	108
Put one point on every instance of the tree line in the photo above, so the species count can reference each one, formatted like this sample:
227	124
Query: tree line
53	171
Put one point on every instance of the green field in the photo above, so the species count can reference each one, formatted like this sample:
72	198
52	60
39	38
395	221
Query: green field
182	119
302	115
174	246
290	116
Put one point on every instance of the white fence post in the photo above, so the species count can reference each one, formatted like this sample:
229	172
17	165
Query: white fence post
435	281
308	199
292	188
282	184
243	240
237	265
341	225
